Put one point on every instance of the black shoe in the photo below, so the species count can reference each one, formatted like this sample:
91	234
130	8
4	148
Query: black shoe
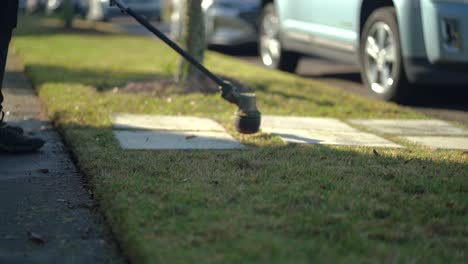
16	129
14	142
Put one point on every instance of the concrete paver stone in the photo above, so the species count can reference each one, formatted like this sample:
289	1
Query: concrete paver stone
176	140
439	142
327	131
305	123
410	127
333	138
171	132
158	122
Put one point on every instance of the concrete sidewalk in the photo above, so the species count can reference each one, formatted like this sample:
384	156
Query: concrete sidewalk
47	215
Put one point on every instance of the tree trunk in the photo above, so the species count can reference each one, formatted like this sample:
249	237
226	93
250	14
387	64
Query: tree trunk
193	41
68	13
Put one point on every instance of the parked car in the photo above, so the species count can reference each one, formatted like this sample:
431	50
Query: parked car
80	7
227	22
32	6
397	43
22	4
101	10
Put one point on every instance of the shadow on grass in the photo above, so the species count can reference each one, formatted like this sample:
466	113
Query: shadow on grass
103	80
39	25
354	77
443	96
126	81
244	50
265	87
302	197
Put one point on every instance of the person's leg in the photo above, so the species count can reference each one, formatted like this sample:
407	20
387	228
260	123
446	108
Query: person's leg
4	42
12	138
5	37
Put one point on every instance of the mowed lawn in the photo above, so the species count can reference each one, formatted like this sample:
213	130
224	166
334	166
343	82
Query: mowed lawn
272	203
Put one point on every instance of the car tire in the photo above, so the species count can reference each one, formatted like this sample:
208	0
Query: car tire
271	49
382	69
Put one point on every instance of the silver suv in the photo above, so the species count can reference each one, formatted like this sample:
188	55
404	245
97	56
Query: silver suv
396	42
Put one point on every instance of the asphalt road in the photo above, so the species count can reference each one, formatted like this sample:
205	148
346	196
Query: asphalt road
448	103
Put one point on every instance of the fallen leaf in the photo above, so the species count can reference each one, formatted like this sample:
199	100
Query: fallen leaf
85	233
232	200
45	171
86	205
214	182
36	238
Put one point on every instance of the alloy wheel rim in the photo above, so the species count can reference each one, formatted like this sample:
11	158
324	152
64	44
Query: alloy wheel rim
380	57
270	47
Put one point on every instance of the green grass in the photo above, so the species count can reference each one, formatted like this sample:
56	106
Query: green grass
273	203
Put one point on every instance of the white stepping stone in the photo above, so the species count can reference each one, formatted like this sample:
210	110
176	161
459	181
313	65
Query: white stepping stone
305	123
334	138
151	132
327	131
157	122
411	127
165	140
441	142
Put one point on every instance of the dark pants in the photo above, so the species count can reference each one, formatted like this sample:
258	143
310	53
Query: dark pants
4	42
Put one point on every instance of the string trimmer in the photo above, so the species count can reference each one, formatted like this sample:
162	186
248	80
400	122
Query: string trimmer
248	117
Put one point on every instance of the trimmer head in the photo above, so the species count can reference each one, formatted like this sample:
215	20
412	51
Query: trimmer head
248	118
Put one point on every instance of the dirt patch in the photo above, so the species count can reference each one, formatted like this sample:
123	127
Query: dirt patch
157	87
164	86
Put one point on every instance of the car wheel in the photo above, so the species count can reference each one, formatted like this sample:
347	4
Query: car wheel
271	50
380	57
